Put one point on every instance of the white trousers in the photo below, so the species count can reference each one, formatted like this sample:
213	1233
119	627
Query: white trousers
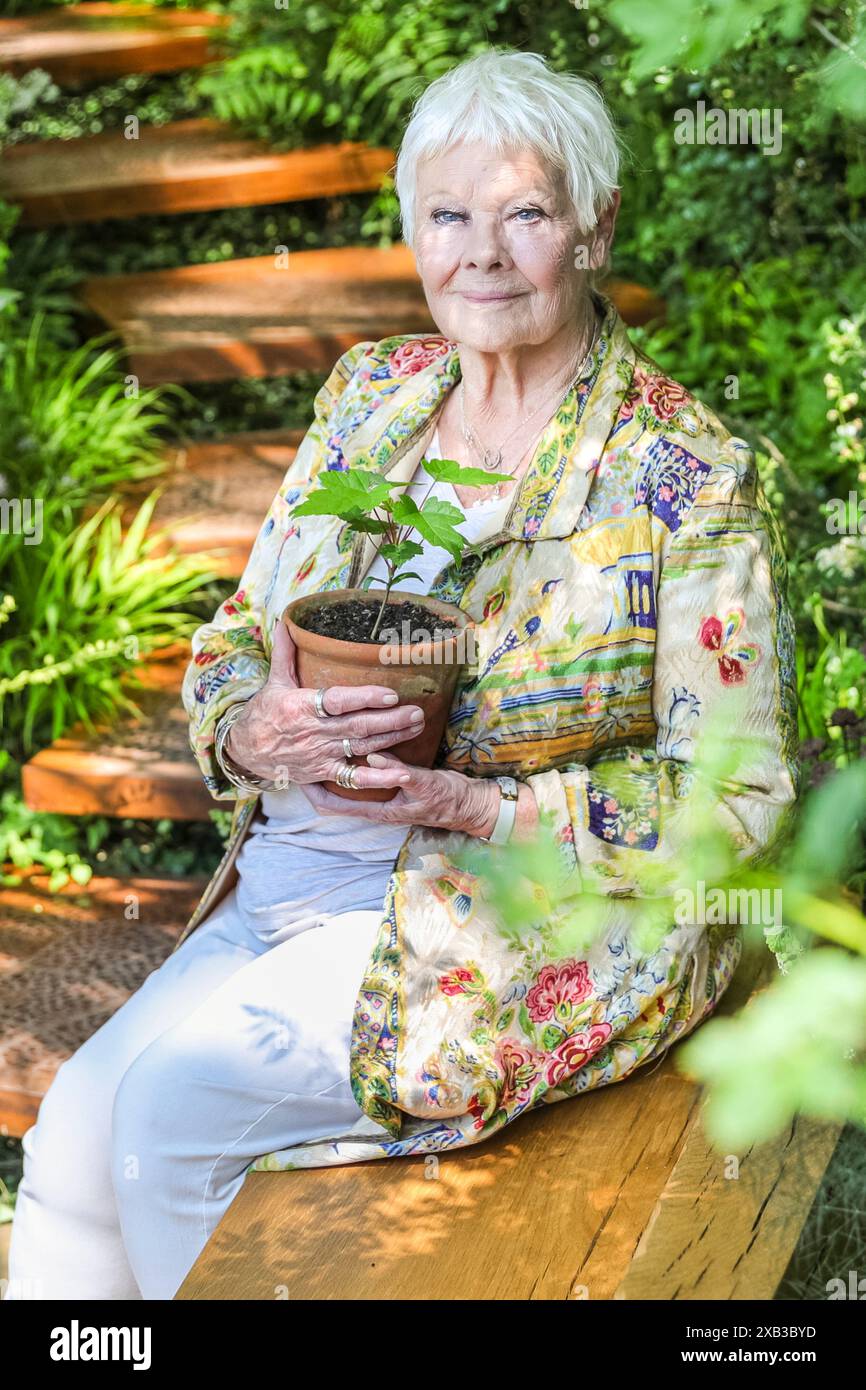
236	1046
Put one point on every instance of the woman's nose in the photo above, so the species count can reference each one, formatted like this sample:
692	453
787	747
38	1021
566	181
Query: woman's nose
484	248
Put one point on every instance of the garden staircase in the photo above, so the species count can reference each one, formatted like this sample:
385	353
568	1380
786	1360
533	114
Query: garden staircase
272	315
183	166
617	1193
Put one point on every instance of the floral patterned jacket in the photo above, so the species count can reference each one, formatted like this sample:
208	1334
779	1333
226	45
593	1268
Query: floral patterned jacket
635	591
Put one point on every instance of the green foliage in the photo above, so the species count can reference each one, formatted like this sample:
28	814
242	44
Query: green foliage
71	427
90	605
764	1066
20	96
70	849
834	680
28	841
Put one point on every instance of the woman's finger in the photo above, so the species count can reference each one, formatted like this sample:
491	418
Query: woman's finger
417	775
346	699
396	776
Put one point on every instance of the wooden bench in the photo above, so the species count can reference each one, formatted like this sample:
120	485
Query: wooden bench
615	1194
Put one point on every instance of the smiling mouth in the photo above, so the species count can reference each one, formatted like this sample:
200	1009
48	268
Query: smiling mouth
480	298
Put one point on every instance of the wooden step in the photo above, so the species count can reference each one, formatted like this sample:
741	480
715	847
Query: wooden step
67	963
552	1207
183	166
255	317
97	41
217	495
251	317
142	768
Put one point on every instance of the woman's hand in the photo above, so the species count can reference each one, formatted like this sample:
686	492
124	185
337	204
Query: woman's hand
437	797
280	736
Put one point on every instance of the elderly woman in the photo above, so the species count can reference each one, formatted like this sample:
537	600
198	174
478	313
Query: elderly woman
342	991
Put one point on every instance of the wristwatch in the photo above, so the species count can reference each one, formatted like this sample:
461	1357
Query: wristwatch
247	782
501	832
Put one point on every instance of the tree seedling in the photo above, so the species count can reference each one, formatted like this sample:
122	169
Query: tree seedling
371	503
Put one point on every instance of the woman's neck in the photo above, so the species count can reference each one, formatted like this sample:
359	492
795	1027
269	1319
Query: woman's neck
507	385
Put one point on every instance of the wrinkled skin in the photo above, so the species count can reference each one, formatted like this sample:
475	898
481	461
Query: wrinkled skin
281	737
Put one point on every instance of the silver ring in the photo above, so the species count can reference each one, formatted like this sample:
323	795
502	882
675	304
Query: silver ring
346	776
347	748
320	704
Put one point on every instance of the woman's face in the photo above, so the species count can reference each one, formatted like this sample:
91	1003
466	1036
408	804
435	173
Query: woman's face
499	249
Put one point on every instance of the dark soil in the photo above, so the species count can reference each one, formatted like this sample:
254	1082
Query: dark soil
353	621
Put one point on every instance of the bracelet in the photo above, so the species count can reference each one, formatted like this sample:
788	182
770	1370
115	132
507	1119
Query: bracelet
501	832
247	782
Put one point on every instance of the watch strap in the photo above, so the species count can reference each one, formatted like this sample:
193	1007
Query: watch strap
509	792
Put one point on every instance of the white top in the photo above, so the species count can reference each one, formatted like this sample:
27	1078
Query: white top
479	523
293	858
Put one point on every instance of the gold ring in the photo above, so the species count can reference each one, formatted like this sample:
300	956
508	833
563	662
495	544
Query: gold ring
320	704
346	776
347	748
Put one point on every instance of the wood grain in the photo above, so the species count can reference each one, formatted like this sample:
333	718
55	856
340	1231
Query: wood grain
182	166
89	42
216	495
517	1217
141	768
714	1235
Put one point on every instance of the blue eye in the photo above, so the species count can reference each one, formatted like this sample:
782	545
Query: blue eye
445	212
533	212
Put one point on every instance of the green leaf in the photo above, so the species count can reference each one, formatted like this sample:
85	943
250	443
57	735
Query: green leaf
345	495
436	523
405	510
399	553
552	1036
371	525
450	471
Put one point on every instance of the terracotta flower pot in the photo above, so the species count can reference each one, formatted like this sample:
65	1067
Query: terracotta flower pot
422	673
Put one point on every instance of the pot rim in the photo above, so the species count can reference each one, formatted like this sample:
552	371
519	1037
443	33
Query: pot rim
414	654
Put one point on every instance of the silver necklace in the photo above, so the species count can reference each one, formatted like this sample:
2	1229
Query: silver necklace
492	458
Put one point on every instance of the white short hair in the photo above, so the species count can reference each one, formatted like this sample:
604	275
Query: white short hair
506	98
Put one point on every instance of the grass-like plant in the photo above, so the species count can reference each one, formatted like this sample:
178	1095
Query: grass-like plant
82	611
374	504
71	427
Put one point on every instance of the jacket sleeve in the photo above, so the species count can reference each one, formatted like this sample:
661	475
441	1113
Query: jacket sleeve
230	656
724	669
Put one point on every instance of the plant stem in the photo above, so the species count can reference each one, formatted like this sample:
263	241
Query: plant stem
381	612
